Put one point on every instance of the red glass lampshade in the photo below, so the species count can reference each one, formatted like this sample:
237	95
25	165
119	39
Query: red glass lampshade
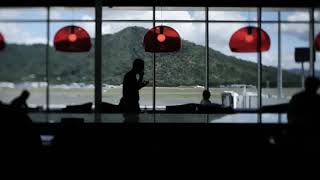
246	40
318	42
72	39
162	39
2	42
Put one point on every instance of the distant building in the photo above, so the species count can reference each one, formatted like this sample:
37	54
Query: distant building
6	85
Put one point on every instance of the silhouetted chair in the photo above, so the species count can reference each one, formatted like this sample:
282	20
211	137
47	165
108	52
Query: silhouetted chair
183	108
278	108
110	108
81	108
71	136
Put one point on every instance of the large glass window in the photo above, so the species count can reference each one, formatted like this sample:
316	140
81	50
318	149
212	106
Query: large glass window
180	76
123	30
282	75
122	43
231	72
23	59
232	75
292	73
71	74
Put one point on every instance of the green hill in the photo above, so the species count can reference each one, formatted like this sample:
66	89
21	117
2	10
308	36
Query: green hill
186	67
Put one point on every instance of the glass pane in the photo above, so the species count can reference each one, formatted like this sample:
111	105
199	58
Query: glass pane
67	13
233	118
71	75
317	64
181	118
23	62
295	15
180	13
180	76
269	14
232	76
233	14
23	14
274	118
292	36
127	13
317	14
122	43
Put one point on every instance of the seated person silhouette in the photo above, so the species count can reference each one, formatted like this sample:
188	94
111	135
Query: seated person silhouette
206	106
205	97
20	102
129	103
304	106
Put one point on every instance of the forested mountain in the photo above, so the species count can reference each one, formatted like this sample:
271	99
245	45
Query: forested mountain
187	67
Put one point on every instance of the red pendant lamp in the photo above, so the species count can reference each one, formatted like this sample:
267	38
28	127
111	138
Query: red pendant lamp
246	40
2	42
318	42
72	39
162	39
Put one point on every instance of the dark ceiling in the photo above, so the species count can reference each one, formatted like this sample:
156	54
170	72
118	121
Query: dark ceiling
214	3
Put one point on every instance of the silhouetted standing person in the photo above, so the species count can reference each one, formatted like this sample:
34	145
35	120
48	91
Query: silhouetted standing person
21	101
129	102
304	106
303	115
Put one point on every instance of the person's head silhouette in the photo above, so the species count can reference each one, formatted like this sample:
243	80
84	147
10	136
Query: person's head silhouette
206	94
311	84
138	66
25	94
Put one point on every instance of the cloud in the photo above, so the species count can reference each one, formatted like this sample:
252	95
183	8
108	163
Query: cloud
299	31
110	28
15	33
116	13
317	15
68	13
9	14
179	15
23	13
226	15
88	26
299	16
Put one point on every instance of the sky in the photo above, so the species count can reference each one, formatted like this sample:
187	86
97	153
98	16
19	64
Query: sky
293	34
